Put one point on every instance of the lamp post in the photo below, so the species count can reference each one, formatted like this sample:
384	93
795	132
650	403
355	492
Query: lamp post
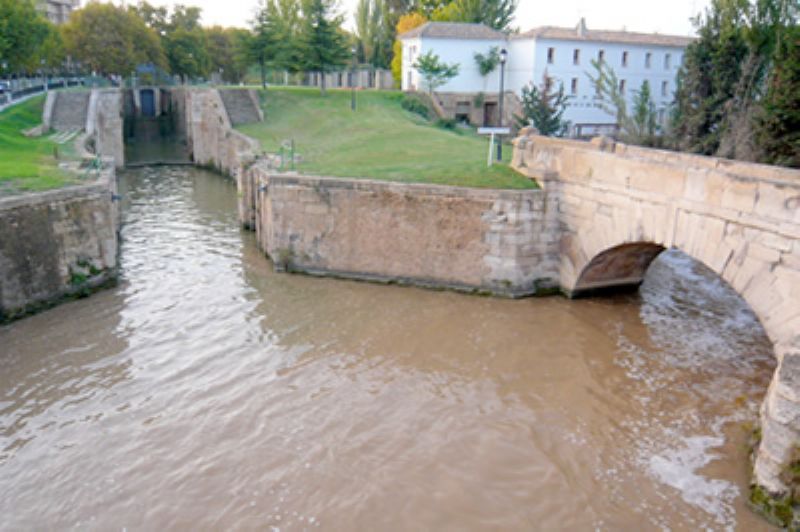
44	75
352	75
503	57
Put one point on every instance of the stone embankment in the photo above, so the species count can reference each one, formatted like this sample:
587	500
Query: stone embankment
57	244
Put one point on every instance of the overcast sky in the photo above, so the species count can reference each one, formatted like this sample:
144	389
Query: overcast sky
663	16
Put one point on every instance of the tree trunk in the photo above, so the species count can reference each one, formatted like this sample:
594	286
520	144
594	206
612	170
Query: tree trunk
263	74
322	82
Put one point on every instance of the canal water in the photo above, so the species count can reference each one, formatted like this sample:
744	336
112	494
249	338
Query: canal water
207	392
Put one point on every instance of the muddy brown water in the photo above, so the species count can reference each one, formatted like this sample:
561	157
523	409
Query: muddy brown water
207	392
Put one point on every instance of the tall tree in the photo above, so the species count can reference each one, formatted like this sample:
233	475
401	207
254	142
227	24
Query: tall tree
275	36
322	40
187	53
406	23
372	33
111	40
227	54
543	108
434	71
497	14
23	32
723	77
643	121
636	127
778	129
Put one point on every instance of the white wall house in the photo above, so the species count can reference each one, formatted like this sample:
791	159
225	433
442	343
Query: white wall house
564	55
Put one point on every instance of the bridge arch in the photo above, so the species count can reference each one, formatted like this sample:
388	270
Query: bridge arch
618	207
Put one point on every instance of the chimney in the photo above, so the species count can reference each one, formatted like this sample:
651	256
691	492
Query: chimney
581	29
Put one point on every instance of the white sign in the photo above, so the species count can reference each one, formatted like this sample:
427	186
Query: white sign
494	130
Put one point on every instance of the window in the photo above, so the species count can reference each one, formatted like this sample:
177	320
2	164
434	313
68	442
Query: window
548	83
551	55
664	88
576	57
462	112
574	85
624	59
667	62
661	116
647	59
622	87
601	55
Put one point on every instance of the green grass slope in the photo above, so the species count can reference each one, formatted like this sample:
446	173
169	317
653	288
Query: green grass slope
380	140
27	164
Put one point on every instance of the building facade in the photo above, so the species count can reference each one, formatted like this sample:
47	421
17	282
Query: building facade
560	56
58	11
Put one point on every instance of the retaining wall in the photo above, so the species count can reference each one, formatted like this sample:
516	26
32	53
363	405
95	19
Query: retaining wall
57	244
502	242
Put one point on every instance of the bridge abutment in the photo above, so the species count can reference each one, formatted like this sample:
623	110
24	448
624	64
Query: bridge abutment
619	206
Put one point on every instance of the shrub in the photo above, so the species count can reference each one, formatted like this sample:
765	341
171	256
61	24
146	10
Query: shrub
414	105
446	123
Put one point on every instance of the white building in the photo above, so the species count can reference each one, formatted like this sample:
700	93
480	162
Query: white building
564	55
58	11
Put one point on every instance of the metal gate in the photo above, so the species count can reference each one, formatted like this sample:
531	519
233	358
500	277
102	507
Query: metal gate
148	102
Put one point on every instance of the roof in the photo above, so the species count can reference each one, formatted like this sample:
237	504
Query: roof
581	33
454	30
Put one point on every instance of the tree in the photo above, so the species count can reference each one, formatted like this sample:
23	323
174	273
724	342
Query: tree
778	129
639	128
643	122
434	72
497	14
608	95
227	52
372	33
487	63
544	109
187	53
23	32
405	23
322	40
111	40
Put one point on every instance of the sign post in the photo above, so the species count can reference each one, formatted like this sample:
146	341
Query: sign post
492	131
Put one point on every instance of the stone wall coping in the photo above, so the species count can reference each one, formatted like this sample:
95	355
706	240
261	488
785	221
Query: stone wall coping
351	183
97	187
738	170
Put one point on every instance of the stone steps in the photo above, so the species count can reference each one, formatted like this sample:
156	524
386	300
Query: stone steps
64	136
240	105
70	110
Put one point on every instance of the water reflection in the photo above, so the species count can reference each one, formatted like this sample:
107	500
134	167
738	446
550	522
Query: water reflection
251	399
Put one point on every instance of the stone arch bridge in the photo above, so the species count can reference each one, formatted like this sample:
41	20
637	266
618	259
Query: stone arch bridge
619	206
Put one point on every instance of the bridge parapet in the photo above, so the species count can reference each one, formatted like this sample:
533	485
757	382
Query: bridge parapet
619	206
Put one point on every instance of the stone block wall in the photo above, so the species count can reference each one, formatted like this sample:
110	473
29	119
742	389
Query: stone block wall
57	244
496	241
105	122
211	137
620	205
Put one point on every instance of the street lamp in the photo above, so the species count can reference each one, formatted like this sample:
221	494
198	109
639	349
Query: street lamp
44	75
352	75
503	57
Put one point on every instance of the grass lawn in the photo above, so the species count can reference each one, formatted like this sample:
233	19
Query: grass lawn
380	140
27	164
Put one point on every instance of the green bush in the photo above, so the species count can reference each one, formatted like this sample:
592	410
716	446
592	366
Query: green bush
446	123
414	105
